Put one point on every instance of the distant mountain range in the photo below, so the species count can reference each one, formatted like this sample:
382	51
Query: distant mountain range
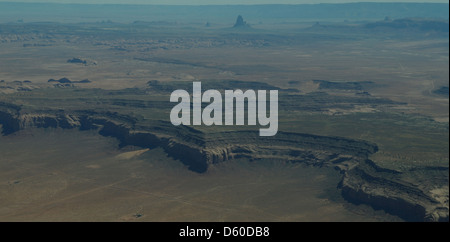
30	12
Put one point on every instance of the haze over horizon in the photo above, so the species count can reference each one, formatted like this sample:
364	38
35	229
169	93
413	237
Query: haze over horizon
216	2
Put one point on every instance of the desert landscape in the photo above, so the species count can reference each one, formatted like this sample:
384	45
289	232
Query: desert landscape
363	113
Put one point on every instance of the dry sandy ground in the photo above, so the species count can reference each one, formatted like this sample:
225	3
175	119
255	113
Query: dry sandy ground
82	177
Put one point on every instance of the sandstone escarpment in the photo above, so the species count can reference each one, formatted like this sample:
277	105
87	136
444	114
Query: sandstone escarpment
385	190
363	181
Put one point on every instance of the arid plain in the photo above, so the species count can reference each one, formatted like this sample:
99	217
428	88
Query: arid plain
363	114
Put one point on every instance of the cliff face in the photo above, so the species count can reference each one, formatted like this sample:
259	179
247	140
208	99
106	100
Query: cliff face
9	122
362	182
405	200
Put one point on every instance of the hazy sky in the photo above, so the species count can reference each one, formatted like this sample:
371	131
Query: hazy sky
189	2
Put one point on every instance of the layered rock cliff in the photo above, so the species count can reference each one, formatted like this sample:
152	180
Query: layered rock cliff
363	181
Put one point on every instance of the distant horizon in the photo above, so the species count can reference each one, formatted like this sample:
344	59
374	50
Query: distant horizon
217	2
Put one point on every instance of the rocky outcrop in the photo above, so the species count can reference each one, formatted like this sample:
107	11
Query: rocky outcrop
363	181
240	23
77	60
66	82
